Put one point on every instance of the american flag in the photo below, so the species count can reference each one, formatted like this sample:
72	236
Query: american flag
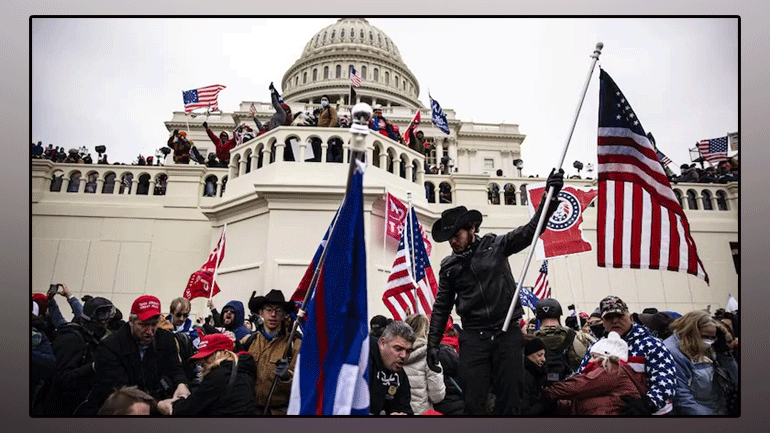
204	97
663	158
252	110
400	295
640	224
542	289
713	150
355	77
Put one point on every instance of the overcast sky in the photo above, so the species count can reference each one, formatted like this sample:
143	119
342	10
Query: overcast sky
115	81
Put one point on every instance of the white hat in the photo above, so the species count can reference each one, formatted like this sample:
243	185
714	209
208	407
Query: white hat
35	309
611	345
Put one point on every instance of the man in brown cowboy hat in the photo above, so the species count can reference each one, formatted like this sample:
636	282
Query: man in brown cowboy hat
477	278
267	345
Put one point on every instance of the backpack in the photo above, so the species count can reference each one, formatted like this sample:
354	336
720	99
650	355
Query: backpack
557	359
185	350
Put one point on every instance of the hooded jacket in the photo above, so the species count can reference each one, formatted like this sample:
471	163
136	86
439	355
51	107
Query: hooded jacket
427	387
223	149
388	391
237	327
598	391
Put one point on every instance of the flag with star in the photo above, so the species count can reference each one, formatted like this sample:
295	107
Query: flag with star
713	150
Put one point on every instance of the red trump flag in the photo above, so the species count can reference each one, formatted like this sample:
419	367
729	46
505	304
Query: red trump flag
395	218
201	281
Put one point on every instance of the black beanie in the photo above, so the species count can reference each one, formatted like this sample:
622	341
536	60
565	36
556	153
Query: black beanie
533	346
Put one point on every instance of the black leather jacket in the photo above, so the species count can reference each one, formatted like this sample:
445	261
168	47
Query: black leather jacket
479	282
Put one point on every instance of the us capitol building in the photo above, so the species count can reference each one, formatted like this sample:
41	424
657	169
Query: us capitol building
122	231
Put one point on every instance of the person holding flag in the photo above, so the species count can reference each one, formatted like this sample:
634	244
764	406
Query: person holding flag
477	278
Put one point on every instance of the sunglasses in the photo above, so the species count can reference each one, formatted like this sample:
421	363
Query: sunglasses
182	315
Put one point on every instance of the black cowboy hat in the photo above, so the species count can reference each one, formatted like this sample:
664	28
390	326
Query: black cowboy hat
273	297
453	220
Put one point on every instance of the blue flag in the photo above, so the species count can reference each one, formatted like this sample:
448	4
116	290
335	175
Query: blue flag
331	375
528	299
437	116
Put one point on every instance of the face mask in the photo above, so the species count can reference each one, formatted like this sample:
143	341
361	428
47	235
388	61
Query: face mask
324	103
597	330
708	342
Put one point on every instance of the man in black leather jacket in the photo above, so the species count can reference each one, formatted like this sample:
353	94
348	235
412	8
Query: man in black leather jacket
477	278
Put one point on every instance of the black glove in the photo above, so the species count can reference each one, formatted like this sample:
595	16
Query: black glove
638	406
555	181
176	132
205	124
282	369
432	359
271	87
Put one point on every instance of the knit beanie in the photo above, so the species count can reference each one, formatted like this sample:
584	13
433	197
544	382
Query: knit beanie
612	345
533	346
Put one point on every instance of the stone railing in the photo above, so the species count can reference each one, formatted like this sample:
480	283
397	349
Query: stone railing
325	146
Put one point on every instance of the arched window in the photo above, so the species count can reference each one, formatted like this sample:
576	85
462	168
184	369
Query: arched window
387	77
323	39
692	200
430	192
56	182
371	37
376	76
224	184
334	33
296	81
143	187
315	74
304	77
523	194
706	196
379	38
678	195
403	86
376	156
160	184
338	71
493	193
326	72
125	183
363	73
109	183
74	182
445	193
210	187
91	183
395	80
509	193
721	200
362	34
342	34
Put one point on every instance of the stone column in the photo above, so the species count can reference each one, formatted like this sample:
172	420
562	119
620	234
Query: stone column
232	170
254	160
99	185
134	185
65	183
324	148
407	171
279	146
241	167
265	156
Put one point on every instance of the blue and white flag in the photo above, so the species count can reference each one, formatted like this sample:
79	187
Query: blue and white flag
437	116
528	299
331	375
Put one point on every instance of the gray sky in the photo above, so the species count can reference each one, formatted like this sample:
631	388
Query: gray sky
115	81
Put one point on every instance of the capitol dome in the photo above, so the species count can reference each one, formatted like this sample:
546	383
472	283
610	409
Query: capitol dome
324	68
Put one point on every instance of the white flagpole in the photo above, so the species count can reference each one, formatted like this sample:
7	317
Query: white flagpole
220	243
541	221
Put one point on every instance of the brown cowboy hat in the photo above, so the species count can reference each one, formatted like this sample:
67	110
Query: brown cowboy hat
453	220
273	297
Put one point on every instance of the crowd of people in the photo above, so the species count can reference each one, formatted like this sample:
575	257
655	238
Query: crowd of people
725	171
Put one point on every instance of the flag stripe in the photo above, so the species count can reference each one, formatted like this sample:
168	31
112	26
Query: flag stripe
204	97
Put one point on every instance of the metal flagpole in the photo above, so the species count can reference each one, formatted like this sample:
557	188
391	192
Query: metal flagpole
409	243
216	268
541	221
360	129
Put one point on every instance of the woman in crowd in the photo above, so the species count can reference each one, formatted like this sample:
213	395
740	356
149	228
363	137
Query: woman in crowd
227	386
703	385
427	386
605	383
534	377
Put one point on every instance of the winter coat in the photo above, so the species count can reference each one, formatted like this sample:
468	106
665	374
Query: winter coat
553	337
266	353
42	367
118	363
597	391
328	118
453	403
213	397
647	354
479	282
223	149
533	402
698	391
74	348
237	327
427	387
388	391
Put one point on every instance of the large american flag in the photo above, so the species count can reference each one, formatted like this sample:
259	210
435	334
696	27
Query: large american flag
410	291
542	289
355	77
203	97
713	150
640	224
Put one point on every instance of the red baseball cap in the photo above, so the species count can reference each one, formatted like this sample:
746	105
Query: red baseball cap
212	343
146	307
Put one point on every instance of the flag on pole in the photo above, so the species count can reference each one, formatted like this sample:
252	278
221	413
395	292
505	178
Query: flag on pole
542	289
200	282
394	221
663	158
713	150
640	224
411	287
355	77
331	374
252	110
437	116
203	97
415	123
528	299
563	234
